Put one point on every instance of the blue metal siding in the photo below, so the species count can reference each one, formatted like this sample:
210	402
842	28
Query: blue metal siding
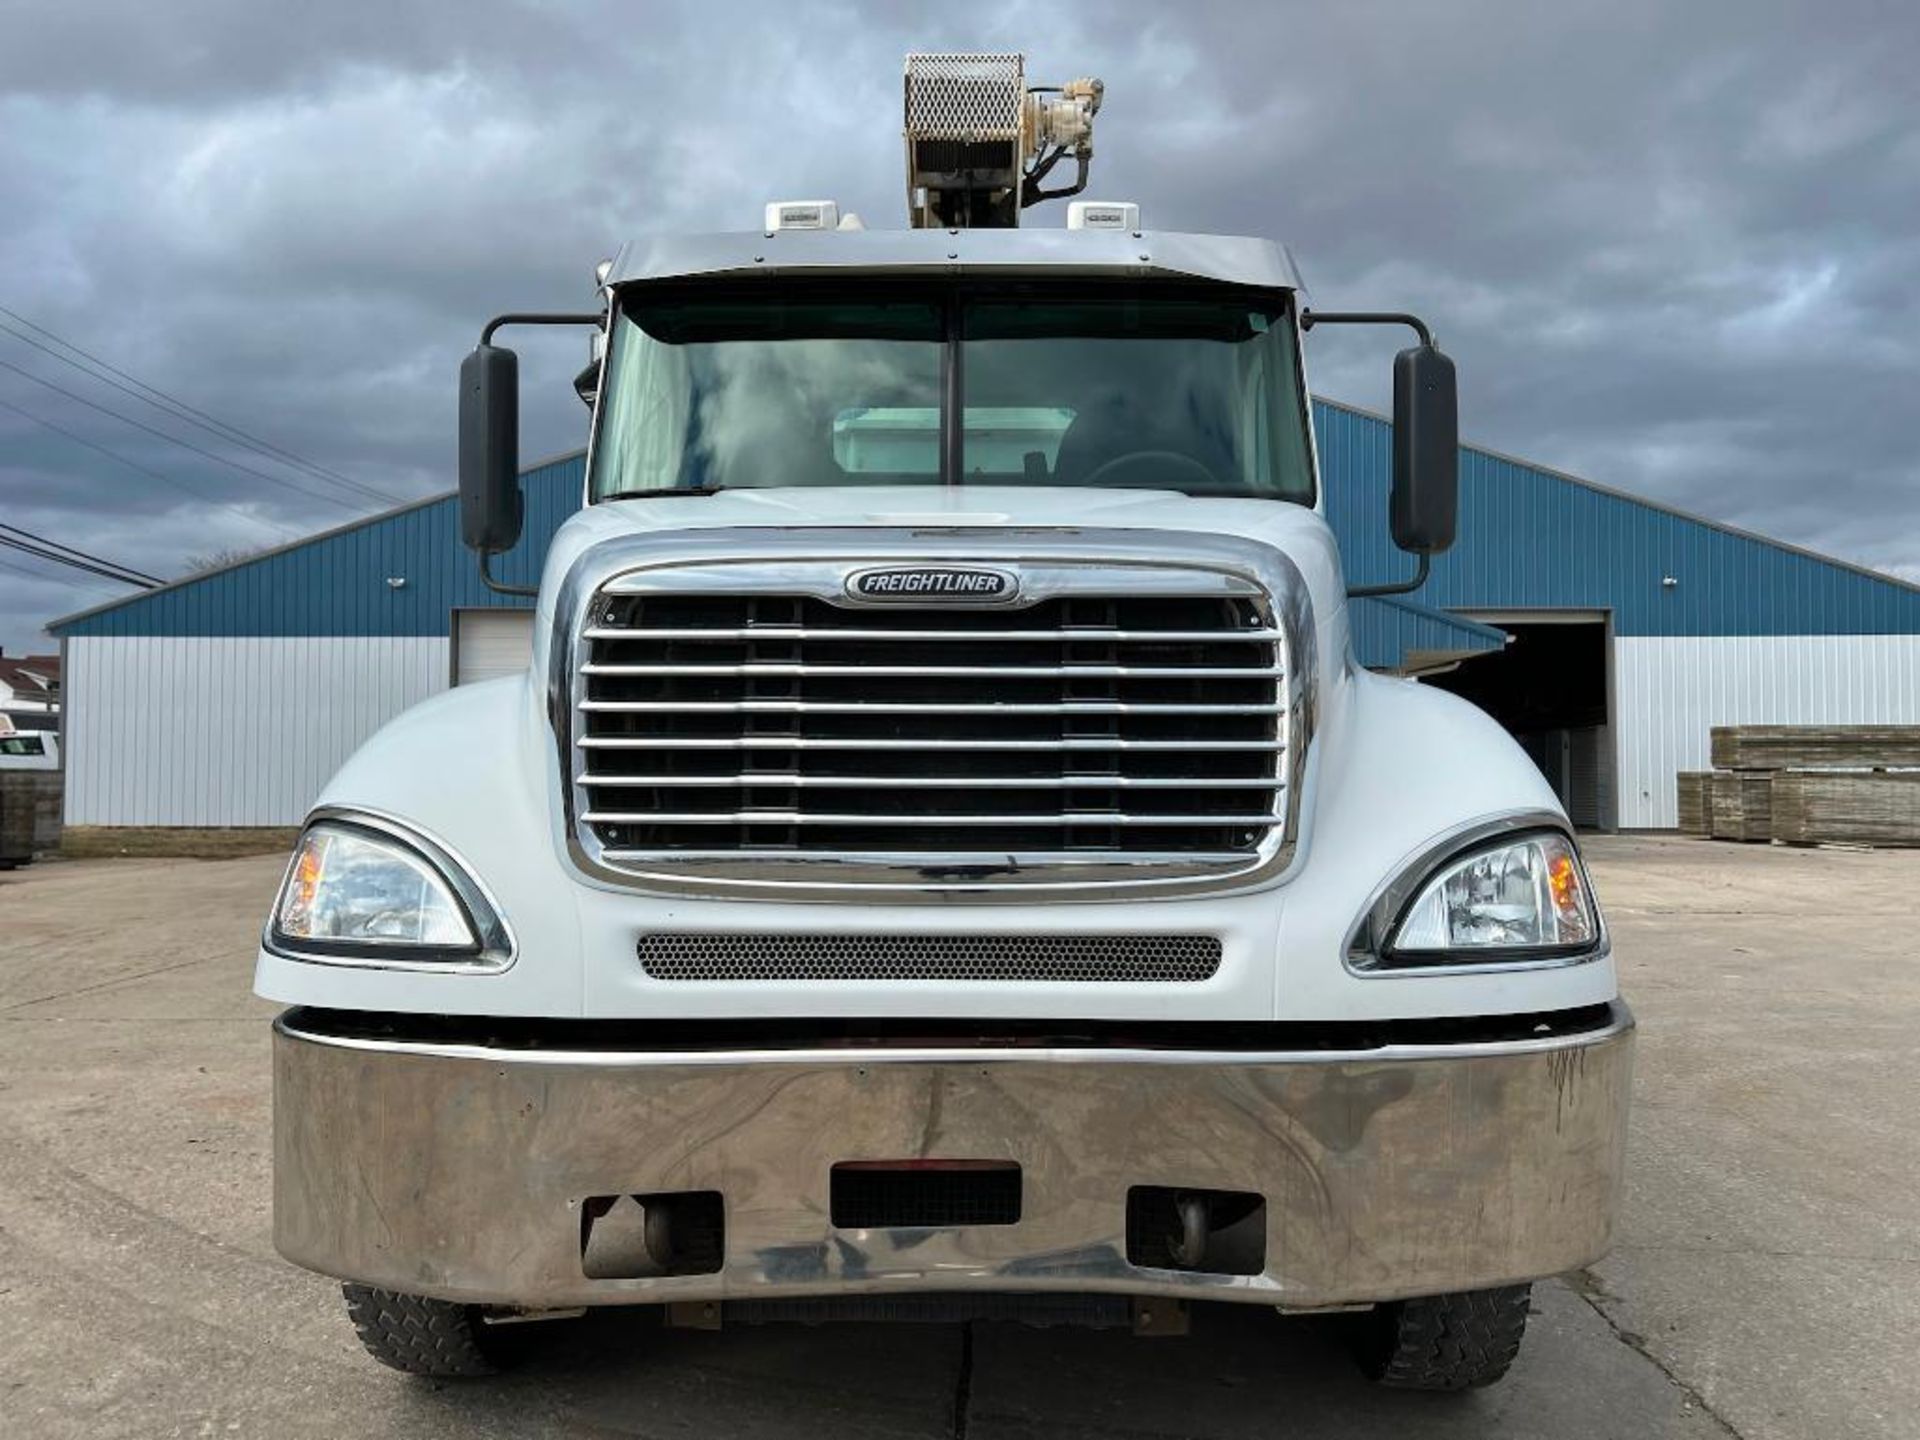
1529	539
1387	630
336	584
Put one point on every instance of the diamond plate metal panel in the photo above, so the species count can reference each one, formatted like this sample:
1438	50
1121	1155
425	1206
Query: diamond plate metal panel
964	97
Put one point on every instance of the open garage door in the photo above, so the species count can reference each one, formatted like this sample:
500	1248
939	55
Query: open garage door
1550	687
490	643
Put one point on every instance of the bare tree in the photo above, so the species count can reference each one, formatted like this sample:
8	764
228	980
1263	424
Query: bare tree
220	559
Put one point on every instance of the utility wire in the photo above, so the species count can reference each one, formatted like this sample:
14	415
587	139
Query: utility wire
53	544
171	404
57	558
164	478
94	585
8	542
212	455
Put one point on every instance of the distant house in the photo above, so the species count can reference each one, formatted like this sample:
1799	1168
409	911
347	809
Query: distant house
30	691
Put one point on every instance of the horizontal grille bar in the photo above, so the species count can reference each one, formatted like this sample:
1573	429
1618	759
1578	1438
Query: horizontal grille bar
856	707
947	859
1086	636
783	670
1077	959
937	782
815	817
805	742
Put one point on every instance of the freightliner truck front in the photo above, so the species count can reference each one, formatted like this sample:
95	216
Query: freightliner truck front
944	860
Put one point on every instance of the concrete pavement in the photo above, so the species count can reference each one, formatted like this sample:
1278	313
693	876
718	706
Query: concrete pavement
1764	1286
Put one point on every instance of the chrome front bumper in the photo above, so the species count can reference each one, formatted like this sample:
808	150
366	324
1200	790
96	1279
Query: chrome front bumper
461	1171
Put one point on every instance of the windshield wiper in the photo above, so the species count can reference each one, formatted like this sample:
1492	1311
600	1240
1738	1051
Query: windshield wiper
656	491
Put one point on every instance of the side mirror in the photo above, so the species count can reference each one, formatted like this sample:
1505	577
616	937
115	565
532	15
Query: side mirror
1426	451
491	507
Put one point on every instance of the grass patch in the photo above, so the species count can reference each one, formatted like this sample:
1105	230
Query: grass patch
113	842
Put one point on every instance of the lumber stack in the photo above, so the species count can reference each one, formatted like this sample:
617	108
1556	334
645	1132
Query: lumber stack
29	814
1696	801
1814	784
1742	805
1865	808
1815	747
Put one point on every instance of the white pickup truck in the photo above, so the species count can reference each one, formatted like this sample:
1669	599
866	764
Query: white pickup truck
28	749
944	859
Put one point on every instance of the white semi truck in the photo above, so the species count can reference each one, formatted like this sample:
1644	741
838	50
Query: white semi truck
944	860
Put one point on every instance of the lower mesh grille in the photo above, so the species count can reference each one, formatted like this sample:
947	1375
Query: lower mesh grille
1169	959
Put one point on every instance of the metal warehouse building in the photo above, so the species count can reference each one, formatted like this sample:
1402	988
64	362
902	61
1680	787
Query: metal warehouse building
1607	633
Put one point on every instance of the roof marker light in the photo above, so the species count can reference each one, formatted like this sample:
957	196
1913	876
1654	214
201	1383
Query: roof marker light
803	215
1103	215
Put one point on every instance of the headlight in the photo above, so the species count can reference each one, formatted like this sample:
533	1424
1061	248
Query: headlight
358	892
1518	898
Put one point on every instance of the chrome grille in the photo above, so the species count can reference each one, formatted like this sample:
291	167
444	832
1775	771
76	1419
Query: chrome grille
1083	959
1113	725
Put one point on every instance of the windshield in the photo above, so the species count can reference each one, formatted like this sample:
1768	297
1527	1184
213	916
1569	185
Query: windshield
1188	389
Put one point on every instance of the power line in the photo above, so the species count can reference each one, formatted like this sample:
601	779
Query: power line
53	550
8	542
179	410
75	550
172	405
212	455
217	425
41	554
95	587
164	478
44	579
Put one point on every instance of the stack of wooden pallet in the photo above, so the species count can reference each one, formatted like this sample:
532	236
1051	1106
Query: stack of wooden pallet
1742	805
1808	785
29	815
1696	801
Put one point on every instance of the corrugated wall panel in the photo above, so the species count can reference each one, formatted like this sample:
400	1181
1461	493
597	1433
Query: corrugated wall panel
1529	539
1385	631
1534	539
203	730
337	584
1671	690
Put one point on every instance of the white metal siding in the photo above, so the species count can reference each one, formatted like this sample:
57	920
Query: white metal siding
490	643
1670	690
224	730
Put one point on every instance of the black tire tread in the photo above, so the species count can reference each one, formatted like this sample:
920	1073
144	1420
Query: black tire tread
420	1336
1446	1342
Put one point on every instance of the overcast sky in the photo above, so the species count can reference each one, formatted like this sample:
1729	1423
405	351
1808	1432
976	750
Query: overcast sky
1673	247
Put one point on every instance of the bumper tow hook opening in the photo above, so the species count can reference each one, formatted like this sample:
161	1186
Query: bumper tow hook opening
640	1237
1214	1232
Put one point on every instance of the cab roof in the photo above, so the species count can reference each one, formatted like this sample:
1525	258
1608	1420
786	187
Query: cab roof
1230	259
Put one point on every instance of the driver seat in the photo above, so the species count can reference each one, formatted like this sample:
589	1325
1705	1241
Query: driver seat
1095	439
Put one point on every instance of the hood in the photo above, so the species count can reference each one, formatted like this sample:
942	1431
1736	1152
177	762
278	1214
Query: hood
1300	532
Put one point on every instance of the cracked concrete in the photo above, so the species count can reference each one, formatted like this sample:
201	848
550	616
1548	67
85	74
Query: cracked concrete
1764	1284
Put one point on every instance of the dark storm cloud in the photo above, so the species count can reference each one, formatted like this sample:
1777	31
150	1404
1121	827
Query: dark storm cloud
1673	248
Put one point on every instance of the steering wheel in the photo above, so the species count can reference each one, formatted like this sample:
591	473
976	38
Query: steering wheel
1160	459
